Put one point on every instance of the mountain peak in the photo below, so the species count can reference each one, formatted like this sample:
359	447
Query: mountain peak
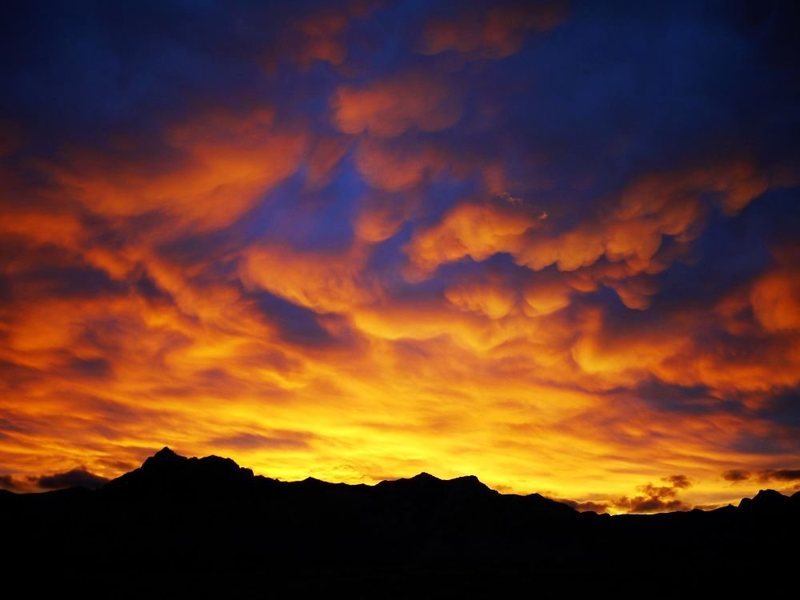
165	453
208	514
768	495
468	484
162	458
769	500
424	476
168	471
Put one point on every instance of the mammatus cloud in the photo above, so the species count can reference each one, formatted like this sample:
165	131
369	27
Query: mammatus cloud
363	240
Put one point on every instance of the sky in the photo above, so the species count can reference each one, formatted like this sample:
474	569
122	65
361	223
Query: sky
553	245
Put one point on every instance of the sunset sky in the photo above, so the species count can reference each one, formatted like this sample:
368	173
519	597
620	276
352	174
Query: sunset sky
552	245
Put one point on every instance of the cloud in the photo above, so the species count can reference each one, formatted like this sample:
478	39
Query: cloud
654	498
679	481
389	107
319	281
546	294
736	475
622	249
382	214
293	323
775	299
474	230
78	477
488	297
780	475
587	506
277	440
490	30
323	158
322	38
91	367
397	167
203	172
422	234
7	482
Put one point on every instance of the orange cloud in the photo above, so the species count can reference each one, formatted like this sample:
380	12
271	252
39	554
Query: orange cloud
546	295
389	107
383	213
215	166
42	226
628	234
323	158
476	375
498	32
623	358
341	284
396	168
317	34
735	183
499	353
488	297
775	298
474	230
322	282
634	239
321	35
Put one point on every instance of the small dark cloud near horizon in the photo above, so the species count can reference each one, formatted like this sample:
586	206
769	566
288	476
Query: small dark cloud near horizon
8	483
679	481
763	476
783	475
656	498
78	477
736	475
588	506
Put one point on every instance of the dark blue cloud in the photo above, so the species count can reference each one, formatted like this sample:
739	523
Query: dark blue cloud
294	323
782	408
696	399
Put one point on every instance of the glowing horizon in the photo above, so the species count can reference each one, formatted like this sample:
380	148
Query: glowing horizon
550	245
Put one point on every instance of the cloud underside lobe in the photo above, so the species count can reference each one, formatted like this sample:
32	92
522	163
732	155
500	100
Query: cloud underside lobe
360	240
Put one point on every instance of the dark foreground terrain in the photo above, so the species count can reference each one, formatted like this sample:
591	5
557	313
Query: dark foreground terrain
207	522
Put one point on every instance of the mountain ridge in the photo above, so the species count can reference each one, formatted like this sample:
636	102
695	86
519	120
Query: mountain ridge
215	466
209	515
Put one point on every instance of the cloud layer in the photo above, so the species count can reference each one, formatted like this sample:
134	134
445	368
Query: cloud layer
550	245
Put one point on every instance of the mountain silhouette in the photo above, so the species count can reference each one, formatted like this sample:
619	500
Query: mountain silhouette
209	516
